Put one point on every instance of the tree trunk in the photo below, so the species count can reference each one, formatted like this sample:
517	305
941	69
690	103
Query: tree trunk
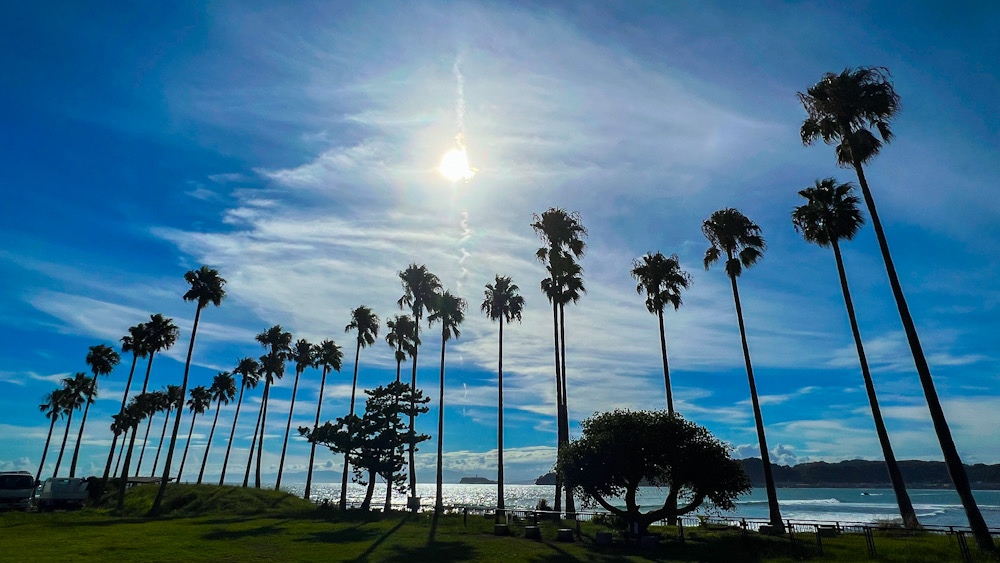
114	440
208	446
772	494
79	437
158	501
570	504
559	394
895	476
180	472
438	498
312	445
120	450
500	506
413	387
388	482
369	492
145	440
62	449
354	388
666	367
288	430
125	467
159	447
951	458
256	430
232	436
145	384
46	450
260	442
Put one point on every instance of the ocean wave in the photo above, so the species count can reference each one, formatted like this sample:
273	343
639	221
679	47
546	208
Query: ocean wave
797	502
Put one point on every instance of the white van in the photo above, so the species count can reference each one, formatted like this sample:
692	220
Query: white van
62	492
16	488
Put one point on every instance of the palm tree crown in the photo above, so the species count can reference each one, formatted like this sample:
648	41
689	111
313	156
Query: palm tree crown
223	388
249	370
54	404
135	340
830	214
400	336
559	229
843	108
161	333
102	359
450	312
79	389
419	288
734	236
366	322
304	355
329	355
206	287
201	399
501	301
662	279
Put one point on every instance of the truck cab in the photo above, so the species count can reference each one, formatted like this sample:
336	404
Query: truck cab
16	488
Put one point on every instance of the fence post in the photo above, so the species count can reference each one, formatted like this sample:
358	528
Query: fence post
576	517
465	516
963	546
791	531
680	528
819	540
869	541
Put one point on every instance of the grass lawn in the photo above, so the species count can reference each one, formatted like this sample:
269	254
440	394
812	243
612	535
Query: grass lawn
208	523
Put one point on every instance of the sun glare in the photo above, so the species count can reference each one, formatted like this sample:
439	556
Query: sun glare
455	165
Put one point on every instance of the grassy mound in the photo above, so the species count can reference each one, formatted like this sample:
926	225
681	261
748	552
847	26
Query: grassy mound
183	500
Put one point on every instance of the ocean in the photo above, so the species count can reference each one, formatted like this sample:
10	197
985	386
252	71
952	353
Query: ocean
938	507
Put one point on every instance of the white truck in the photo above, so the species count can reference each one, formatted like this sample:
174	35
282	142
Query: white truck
16	488
62	492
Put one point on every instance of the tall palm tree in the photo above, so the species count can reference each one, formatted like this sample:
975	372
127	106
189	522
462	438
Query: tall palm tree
249	371
157	401
206	287
420	290
831	214
175	401
279	344
663	280
366	322
400	338
738	240
138	408
161	334
200	401
102	360
328	356
502	303
562	235
135	342
842	109
53	409
304	356
223	391
450	312
76	392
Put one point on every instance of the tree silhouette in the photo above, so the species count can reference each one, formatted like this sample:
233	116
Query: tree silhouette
249	371
206	287
102	360
200	401
450	312
278	344
53	407
135	342
175	401
223	391
155	401
738	240
329	357
366	322
77	391
304	356
502	303
137	409
400	338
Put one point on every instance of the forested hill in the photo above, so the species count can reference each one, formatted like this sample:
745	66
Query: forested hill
858	473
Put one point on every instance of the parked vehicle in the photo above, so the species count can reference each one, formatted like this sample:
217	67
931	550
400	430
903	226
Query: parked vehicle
62	492
16	488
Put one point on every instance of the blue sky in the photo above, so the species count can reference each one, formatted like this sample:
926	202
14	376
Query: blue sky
294	147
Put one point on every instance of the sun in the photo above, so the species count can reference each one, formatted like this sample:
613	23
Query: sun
455	165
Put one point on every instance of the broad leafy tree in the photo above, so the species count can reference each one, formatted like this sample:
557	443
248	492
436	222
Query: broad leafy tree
199	402
450	312
501	303
738	241
102	360
249	371
206	288
304	356
366	323
843	109
223	391
328	357
830	215
53	410
620	450
134	342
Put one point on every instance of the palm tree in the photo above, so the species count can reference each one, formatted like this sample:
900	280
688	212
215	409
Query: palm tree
77	390
161	334
304	356
157	401
501	303
135	342
102	361
328	356
420	289
738	239
842	109
138	408
200	401
831	214
206	287
278	342
450	311
249	371
400	338
562	235
53	409
366	322
175	401
663	280
223	391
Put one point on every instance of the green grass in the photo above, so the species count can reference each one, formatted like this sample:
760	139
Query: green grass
208	523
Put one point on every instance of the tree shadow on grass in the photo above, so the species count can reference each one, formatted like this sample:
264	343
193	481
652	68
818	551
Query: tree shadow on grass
346	535
269	530
433	551
378	542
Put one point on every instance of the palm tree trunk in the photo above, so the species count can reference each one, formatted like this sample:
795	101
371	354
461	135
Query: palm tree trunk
46	450
570	504
312	445
438	498
500	507
772	494
145	440
114	440
145	384
260	442
951	458
666	367
180	472
413	387
158	501
159	447
208	446
354	387
79	437
256	430
232	435
69	421
895	476
559	396
120	450
124	478
388	482
288	430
